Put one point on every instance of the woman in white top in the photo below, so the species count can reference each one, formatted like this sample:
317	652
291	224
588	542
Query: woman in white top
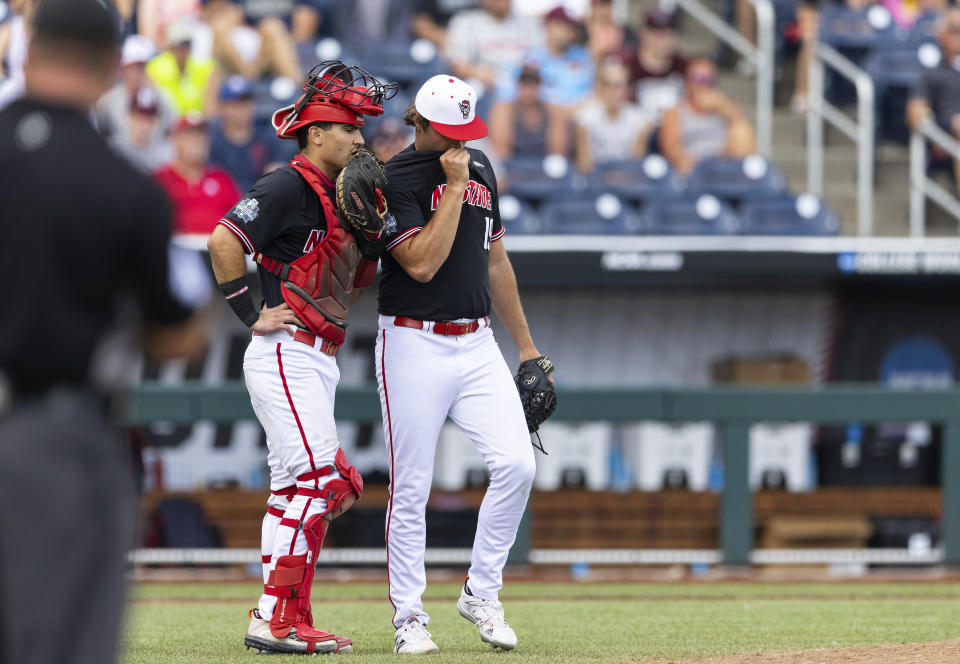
610	127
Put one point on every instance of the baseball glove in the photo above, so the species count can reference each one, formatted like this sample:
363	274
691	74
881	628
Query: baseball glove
360	199
537	395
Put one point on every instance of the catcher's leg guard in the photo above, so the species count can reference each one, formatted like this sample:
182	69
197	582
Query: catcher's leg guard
292	577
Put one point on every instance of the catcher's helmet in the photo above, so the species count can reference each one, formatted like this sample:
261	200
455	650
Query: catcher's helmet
334	92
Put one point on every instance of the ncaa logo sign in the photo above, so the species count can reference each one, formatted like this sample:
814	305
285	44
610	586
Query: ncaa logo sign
247	210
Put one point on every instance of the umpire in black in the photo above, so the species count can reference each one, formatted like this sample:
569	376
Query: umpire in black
80	232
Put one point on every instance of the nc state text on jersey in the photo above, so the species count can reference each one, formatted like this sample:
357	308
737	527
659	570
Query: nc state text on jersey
475	194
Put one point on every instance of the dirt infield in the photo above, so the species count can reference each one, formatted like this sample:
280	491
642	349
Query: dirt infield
940	652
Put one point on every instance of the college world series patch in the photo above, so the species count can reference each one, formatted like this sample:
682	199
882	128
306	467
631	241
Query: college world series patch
247	210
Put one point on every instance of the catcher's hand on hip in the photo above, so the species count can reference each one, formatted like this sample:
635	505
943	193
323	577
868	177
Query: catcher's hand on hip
280	317
537	395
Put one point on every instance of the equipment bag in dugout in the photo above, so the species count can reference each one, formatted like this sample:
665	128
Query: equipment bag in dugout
360	199
537	395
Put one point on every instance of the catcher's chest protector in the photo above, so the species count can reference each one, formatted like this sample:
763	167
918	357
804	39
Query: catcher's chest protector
320	286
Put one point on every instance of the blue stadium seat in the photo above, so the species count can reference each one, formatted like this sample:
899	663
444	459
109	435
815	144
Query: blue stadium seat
703	215
893	72
536	180
601	215
269	94
735	180
638	181
801	215
845	28
407	63
517	217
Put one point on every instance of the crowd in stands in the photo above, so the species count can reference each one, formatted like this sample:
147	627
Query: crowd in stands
200	78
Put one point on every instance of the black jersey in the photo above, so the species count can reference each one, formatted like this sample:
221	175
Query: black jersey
81	232
281	217
461	287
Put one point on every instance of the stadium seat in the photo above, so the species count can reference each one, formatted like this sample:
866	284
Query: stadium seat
517	217
704	215
852	29
803	215
536	180
407	63
893	72
601	215
638	181
735	180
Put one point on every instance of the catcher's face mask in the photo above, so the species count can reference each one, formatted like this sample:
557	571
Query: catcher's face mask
334	92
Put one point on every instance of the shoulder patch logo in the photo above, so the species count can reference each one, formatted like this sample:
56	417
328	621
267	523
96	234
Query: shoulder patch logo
247	210
390	225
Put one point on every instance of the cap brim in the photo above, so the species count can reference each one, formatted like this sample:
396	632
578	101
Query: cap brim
471	131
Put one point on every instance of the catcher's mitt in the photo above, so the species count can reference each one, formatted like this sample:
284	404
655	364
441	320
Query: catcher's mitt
360	199
537	395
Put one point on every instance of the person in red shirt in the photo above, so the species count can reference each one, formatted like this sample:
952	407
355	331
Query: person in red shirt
201	194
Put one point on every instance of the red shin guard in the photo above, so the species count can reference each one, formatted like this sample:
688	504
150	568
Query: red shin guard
292	577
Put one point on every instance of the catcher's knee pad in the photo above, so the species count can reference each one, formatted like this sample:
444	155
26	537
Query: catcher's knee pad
340	493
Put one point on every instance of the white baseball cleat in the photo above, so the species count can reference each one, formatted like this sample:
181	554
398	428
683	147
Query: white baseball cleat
261	639
414	639
487	615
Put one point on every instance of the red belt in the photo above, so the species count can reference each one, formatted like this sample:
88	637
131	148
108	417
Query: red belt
445	328
309	338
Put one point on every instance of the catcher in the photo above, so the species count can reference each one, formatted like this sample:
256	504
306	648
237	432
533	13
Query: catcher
313	227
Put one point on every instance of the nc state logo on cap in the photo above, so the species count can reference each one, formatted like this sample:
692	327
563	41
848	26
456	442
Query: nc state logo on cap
449	105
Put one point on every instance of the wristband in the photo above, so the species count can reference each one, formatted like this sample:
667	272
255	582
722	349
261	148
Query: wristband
238	297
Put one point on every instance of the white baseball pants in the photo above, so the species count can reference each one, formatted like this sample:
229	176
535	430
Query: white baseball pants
423	377
292	387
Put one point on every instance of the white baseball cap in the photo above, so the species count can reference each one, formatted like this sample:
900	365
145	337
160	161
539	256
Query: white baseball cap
450	106
137	49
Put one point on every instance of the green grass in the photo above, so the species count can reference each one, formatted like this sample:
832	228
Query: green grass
205	623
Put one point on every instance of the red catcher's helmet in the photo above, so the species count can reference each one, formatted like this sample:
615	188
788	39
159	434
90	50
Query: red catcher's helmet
334	92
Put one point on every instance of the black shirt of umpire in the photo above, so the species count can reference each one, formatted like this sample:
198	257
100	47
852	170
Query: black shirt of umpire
282	217
80	230
461	287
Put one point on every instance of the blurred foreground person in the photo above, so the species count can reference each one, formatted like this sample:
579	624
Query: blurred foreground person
81	228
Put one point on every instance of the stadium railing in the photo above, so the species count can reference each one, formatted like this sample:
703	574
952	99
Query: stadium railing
734	410
922	186
860	131
760	56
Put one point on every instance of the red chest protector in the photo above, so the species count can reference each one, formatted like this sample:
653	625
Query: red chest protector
321	285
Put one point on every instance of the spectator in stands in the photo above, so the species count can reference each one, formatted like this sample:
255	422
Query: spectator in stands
235	143
936	92
390	137
14	35
656	69
200	194
431	17
142	141
115	107
362	24
483	44
189	81
705	124
610	127
154	17
566	69
606	36
525	125
256	38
